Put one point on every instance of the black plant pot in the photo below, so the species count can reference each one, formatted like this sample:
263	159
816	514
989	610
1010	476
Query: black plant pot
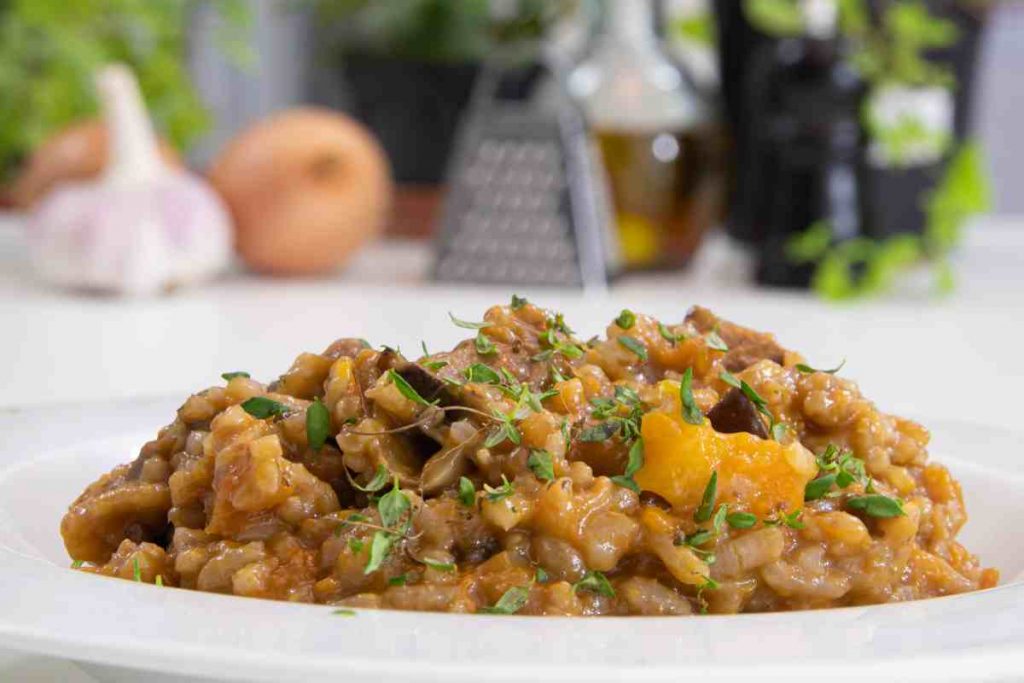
412	107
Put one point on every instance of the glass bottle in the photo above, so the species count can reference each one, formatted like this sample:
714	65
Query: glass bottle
658	140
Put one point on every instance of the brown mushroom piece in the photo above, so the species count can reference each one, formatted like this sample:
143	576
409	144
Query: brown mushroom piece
443	470
736	413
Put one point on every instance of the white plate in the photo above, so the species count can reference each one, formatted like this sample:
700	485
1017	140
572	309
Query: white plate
118	628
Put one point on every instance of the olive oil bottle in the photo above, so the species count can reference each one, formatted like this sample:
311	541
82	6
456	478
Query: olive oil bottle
657	138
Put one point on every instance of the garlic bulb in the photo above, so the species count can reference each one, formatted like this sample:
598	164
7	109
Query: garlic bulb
143	227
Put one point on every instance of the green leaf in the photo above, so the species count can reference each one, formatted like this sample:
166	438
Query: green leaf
228	376
406	390
380	478
467	492
77	564
465	324
262	407
510	602
541	464
718	520
707	500
877	505
344	613
668	335
518	302
626	483
500	493
380	546
595	582
600	432
439	566
484	345
817	488
691	413
159	582
807	369
779	18
399	580
434	365
715	342
318	424
740	520
542	576
356	545
626	319
635	459
136	571
479	373
393	505
633	345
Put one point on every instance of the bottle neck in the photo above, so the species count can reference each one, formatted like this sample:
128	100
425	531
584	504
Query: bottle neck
630	21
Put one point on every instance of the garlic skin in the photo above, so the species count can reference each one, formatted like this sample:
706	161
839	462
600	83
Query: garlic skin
142	227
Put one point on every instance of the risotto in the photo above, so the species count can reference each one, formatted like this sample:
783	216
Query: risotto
665	469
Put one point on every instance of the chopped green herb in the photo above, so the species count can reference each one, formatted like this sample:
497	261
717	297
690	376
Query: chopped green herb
136	572
541	464
467	492
399	580
691	413
715	342
817	488
698	538
439	566
790	519
228	376
633	464
542	576
511	602
877	505
434	365
467	325
633	345
600	432
626	319
779	430
159	581
380	478
262	407
380	546
478	373
740	520
77	564
344	613
707	500
318	424
718	519
406	390
393	505
505	430
807	369
670	336
484	345
595	582
356	545
518	302
500	493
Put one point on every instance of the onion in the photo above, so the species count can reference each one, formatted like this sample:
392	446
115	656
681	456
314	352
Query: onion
306	188
77	153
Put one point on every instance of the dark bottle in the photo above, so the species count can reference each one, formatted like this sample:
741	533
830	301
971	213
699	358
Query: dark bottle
808	131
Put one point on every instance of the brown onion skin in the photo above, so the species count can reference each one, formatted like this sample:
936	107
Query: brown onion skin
76	153
306	187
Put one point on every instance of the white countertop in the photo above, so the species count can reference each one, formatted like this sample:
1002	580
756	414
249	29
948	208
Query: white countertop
957	357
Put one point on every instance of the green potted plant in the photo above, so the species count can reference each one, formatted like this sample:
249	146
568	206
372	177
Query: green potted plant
409	66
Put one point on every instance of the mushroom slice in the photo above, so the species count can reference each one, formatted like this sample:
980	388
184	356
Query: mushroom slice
736	413
444	469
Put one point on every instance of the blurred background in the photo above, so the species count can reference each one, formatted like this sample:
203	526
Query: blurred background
176	173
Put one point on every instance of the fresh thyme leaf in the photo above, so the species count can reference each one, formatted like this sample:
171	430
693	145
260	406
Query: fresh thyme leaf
691	413
542	576
817	488
393	505
718	519
467	492
707	500
500	493
228	376
380	546
626	319
556	375
136	572
730	379
467	325
626	483
699	537
633	345
262	407
478	373
595	582
715	342
439	566
77	564
344	613
356	545
635	460
423	345
434	365
740	520
540	463
318	424
600	432
807	369
779	430
518	302
626	396
380	478
399	580
484	345
668	335
159	581
790	519
406	390
510	602
877	505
